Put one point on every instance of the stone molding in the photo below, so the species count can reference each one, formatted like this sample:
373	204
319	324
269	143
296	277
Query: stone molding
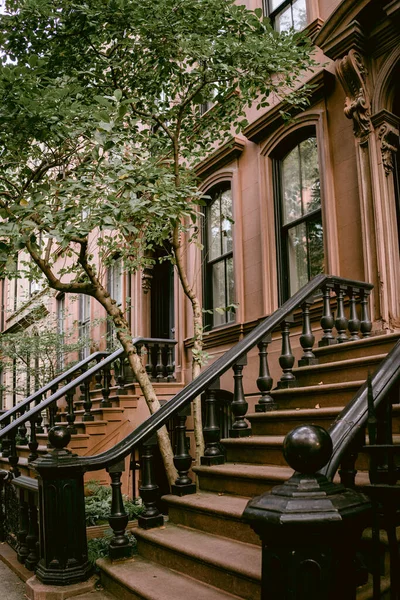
222	156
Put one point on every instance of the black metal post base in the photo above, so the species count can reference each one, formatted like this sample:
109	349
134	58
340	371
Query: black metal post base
59	576
184	490
240	433
209	461
150	522
285	385
120	551
307	362
266	406
327	342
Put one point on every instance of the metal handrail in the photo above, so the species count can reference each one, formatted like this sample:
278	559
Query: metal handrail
109	358
354	416
56	381
146	429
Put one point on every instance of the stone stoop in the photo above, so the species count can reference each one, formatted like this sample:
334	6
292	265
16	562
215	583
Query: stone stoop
205	550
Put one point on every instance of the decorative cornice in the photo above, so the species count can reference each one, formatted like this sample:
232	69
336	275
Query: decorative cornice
387	125
222	156
392	8
352	37
265	125
313	28
352	74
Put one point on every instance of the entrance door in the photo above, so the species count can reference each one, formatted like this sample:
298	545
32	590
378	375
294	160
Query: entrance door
162	300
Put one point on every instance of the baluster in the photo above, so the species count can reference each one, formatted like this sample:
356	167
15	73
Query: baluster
239	405
33	443
22	431
87	403
105	391
149	490
120	380
39	418
69	396
366	324
307	338
33	534
13	458
170	363
348	469
23	521
286	359
159	364
98	377
211	430
3	478
52	409
6	442
327	320
341	321
182	460
120	546
354	322
264	379
149	363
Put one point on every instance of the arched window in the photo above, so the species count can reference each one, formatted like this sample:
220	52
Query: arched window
300	249
218	257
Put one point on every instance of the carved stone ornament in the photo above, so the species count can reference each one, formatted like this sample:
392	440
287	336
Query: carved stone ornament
352	75
147	277
389	138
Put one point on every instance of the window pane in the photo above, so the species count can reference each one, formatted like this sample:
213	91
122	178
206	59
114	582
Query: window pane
316	247
291	184
226	221
218	292
297	257
283	21
230	316
299	14
214	230
310	175
275	3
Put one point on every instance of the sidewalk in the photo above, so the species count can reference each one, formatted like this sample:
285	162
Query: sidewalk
11	586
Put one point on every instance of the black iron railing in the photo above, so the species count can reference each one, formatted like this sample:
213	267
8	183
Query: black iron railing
60	465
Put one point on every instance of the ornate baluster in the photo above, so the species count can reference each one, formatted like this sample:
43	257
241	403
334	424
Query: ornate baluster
3	478
182	460
6	442
211	430
120	546
69	396
149	490
87	403
98	377
23	521
13	458
286	359
170	363
159	365
33	443
239	405
33	534
22	431
348	469
327	320
105	391
149	363
354	322
341	321
39	418
120	380
307	338
264	380
366	324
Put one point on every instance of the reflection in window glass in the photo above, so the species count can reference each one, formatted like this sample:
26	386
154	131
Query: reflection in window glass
218	249
287	14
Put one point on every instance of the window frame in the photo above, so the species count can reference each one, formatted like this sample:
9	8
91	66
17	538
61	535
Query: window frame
281	230
84	324
208	265
272	14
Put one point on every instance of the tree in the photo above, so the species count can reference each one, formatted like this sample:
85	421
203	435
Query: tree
100	116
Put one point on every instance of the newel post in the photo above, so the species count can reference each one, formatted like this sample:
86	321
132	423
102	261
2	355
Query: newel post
309	526
62	528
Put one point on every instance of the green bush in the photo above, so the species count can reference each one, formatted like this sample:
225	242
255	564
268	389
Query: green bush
98	504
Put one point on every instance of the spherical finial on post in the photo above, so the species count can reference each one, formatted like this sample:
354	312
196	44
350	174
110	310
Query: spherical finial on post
307	448
59	437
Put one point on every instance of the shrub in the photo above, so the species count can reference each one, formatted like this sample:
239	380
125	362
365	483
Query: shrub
98	504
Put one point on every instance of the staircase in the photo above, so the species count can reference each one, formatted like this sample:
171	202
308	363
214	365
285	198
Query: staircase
205	551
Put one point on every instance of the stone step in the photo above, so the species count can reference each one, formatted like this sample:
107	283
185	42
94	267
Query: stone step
280	422
219	514
378	344
141	579
320	395
351	369
232	566
111	415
